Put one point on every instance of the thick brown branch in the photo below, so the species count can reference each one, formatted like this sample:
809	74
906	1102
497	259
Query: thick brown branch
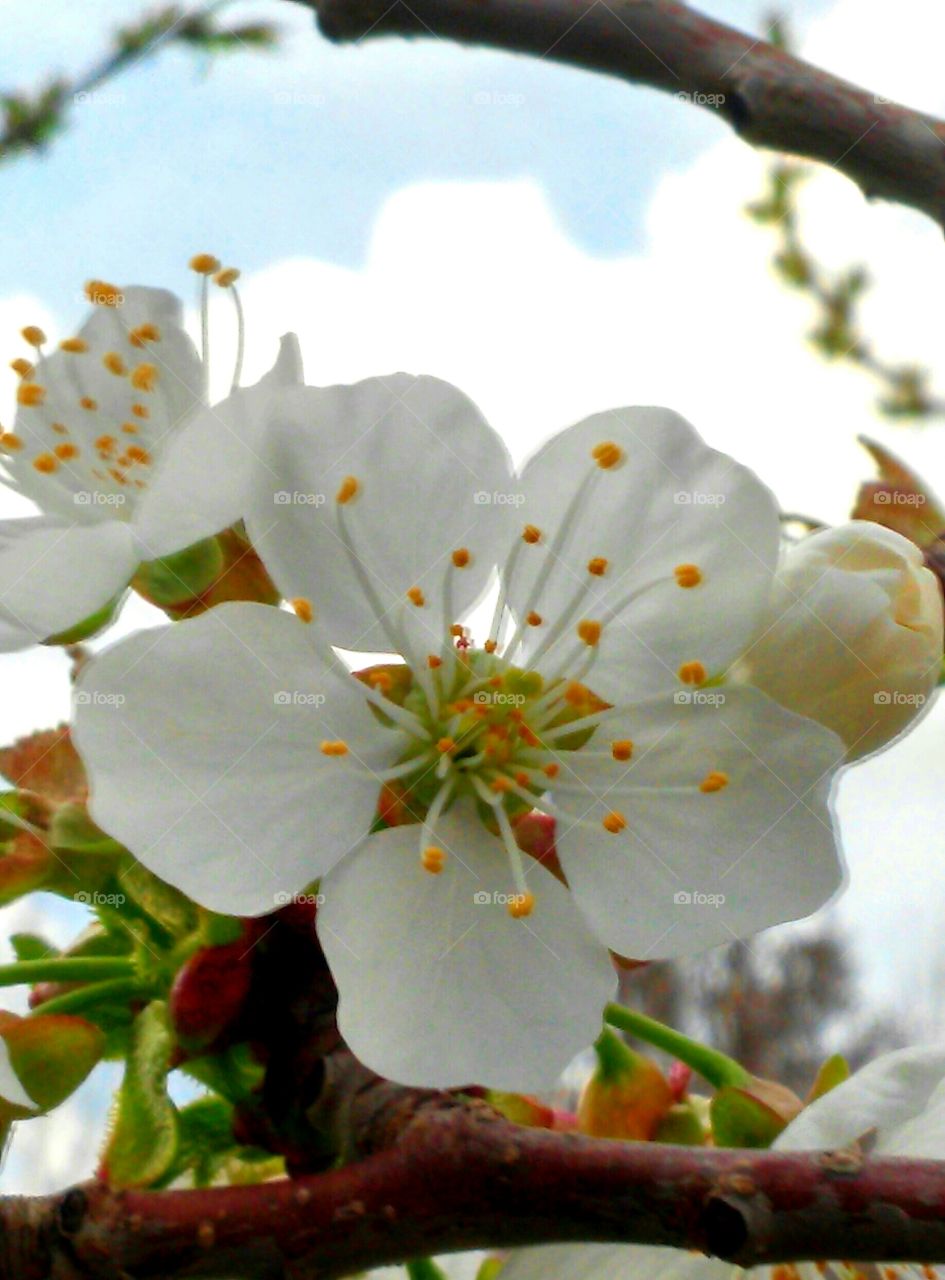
770	98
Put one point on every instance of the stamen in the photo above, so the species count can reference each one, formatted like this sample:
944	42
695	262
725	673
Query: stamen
335	748
589	631
228	276
137	454
416	596
534	619
141	411
622	749
21	367
349	488
445	746
490	646
714	781
607	455
531	534
144	377
461	558
30	393
33	335
46	463
303	609
88	404
66	451
146	332
60	428
204	264
614	822
129	428
75	346
10	440
434	661
433	859
114	364
102	294
693	673
597	566
688	575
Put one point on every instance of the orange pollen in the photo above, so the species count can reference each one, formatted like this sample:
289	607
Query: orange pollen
416	596
688	575
457	630
33	335
226	277
76	346
433	661
490	646
141	411
522	779
522	905
88	403
589	631
714	781
349	487
303	609
381	680
46	463
462	705
575	694
607	455
102	294
144	377
692	673
334	748
21	366
501	784
445	746
137	454
30	393
597	566
528	737
622	749
105	444
144	333
114	364
129	428
433	859
204	264
531	533
118	476
461	557
66	451
534	619
10	440
551	770
614	822
60	428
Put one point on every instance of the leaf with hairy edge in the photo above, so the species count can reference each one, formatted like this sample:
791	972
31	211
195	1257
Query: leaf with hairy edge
46	763
143	1143
51	1055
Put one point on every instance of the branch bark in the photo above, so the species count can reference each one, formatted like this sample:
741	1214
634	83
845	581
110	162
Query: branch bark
459	1176
770	98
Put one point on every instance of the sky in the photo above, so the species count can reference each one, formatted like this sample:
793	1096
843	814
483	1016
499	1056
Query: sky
553	242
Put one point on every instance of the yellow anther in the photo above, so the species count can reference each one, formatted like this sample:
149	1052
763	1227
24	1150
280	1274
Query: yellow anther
551	770
490	646
383	681
143	333
88	403
21	367
66	451
607	455
597	566
433	859
105	444
501	784
688	575
589	631
30	393
416	596
714	781
33	335
461	557
204	264
445	746
46	463
129	428
226	277
60	428
118	476
10	440
141	411
522	778
349	487
534	619
102	294
334	748
521	905
692	673
114	364
575	694
303	608
457	630
433	661
614	822
137	454
622	749
76	346
531	533
144	377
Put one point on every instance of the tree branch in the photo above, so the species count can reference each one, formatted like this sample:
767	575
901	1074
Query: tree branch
770	98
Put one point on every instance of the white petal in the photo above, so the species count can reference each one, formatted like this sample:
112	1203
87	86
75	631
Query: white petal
424	457
611	1262
438	984
900	1094
11	1090
55	575
672	501
202	743
693	869
201	483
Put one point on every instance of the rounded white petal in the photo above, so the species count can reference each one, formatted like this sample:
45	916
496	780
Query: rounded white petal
54	575
696	868
424	458
865	615
673	501
11	1089
438	985
899	1094
203	746
611	1262
202	482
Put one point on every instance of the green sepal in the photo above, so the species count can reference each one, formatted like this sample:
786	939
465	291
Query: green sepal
176	579
51	1055
143	1143
30	946
681	1127
740	1120
164	904
830	1073
205	1139
89	626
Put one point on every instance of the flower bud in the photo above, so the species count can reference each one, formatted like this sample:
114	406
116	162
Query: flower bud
627	1096
853	635
209	994
175	580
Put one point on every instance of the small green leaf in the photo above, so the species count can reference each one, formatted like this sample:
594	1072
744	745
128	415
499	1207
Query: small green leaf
52	1055
831	1073
144	1138
739	1120
30	946
205	1131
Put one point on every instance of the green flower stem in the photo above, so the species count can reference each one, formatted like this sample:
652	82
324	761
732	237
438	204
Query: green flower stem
424	1269
717	1068
65	969
119	990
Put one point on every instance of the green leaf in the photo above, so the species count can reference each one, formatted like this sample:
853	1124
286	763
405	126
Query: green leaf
30	946
205	1132
740	1120
831	1073
52	1055
144	1137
